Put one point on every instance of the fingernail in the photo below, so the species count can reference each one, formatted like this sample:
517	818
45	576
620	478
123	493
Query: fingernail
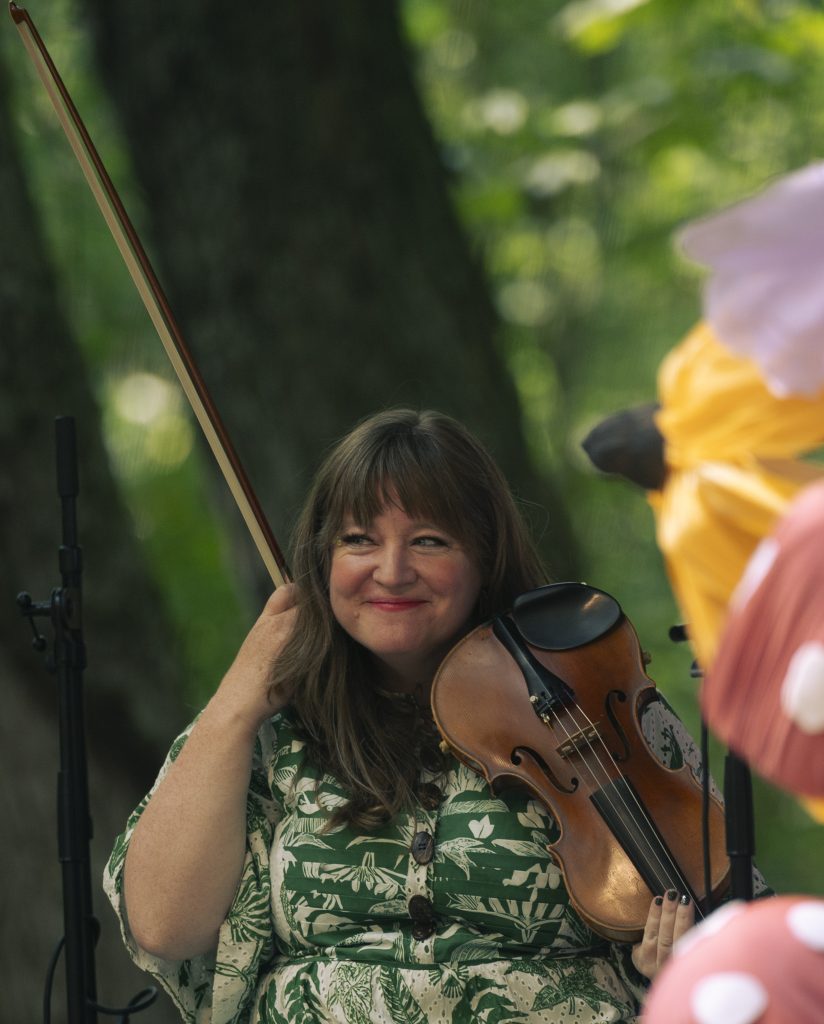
659	900
685	900
671	894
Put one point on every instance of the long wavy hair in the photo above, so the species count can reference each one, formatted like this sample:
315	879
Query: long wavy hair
435	469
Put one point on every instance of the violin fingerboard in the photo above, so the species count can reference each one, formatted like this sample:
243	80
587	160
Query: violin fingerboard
621	808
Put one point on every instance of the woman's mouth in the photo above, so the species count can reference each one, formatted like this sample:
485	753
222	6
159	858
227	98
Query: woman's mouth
395	605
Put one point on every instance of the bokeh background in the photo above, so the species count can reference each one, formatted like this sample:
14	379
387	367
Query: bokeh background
444	203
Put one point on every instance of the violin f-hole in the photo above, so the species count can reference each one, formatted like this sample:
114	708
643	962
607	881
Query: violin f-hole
521	752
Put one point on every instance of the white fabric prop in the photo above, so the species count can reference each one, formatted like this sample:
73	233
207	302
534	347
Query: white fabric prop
765	294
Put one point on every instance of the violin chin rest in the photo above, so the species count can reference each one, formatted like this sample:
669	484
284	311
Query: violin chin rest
561	616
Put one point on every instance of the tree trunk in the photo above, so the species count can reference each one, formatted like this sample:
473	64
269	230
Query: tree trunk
305	231
132	665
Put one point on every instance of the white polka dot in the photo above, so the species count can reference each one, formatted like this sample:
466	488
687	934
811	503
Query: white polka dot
802	692
709	926
760	563
729	997
806	922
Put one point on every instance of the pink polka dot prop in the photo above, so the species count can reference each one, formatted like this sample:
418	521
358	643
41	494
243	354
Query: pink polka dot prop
763	964
764	693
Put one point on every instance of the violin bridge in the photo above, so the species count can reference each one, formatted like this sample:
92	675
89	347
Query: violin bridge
573	743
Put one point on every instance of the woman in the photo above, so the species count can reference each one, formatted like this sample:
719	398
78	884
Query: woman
308	852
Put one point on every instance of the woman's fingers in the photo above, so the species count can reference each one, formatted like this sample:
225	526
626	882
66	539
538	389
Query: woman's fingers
684	917
281	599
671	908
645	954
275	623
669	917
246	687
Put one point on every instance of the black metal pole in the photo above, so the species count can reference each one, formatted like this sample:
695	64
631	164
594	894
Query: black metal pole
740	825
74	824
74	820
739	816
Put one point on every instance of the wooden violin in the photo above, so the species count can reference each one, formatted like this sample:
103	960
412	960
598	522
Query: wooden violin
549	697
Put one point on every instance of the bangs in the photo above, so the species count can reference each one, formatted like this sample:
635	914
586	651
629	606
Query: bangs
407	470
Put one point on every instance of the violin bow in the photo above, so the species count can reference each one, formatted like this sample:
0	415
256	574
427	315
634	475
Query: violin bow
153	297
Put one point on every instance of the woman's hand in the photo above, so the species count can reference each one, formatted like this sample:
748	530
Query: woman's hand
669	918
244	690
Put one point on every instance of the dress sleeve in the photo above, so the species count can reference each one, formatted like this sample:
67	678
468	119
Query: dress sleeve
218	987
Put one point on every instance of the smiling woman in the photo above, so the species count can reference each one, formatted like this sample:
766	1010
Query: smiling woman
405	590
309	852
417	503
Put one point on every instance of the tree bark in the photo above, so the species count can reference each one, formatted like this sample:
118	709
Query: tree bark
132	672
302	219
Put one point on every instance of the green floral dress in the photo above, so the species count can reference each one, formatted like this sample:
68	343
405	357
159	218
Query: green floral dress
453	913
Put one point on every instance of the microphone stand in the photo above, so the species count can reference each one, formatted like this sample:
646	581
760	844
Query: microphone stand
740	825
67	660
739	817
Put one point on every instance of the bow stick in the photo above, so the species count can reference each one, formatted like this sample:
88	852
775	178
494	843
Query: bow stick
150	291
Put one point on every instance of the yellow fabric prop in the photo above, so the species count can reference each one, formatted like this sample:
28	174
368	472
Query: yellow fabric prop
732	452
815	808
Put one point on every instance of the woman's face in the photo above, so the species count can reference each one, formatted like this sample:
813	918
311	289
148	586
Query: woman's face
404	589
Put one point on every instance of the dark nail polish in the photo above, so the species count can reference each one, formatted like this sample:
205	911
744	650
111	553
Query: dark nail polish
672	894
659	900
685	900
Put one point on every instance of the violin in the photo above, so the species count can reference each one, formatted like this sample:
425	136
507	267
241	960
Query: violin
549	696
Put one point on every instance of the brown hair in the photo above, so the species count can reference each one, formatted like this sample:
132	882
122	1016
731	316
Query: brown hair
437	470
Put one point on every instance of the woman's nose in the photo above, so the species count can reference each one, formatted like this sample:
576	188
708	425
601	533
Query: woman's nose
394	566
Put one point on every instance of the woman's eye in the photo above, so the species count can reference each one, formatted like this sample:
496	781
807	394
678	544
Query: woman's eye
354	539
430	542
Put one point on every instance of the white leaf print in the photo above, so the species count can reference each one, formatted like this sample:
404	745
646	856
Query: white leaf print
403	842
308	839
522	848
481	829
458	850
532	817
547	876
454	806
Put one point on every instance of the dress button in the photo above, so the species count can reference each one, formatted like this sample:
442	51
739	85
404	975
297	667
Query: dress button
421	910
423	847
430	796
423	918
423	931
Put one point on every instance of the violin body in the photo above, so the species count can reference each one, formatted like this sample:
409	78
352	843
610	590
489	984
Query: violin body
630	828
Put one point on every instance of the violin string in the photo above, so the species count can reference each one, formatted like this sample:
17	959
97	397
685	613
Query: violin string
655	844
664	882
605	791
663	872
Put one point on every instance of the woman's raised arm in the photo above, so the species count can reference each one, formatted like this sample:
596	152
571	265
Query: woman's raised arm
185	858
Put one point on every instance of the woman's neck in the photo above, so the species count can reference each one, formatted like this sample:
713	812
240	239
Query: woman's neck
393	679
